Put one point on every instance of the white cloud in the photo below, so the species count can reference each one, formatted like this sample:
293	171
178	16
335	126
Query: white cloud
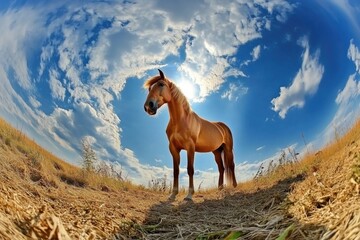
206	56
354	55
35	103
234	72
17	26
234	92
305	83
260	148
57	90
279	7
350	91
256	52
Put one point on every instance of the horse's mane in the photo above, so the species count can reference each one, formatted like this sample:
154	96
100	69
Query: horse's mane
175	92
151	81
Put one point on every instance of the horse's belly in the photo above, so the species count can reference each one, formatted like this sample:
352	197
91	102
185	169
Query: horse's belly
208	146
209	139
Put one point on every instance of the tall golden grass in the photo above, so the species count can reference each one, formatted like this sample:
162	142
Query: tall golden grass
49	168
308	164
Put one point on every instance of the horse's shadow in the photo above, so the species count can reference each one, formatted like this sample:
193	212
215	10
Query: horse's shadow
258	215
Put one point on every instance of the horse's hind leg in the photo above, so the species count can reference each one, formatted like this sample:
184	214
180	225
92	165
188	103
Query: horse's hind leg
217	153
229	166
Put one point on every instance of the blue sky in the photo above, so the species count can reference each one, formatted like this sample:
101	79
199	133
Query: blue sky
279	73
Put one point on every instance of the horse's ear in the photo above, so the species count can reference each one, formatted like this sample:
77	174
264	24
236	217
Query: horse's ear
161	74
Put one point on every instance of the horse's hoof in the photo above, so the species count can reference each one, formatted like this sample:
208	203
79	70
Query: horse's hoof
188	199
171	198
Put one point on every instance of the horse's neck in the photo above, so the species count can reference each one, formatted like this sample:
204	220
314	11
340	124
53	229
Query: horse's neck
176	110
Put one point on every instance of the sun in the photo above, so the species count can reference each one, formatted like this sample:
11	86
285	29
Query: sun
187	88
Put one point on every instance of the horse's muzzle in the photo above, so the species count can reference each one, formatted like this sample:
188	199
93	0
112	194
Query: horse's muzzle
151	107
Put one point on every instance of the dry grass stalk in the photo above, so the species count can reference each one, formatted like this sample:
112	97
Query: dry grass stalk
45	226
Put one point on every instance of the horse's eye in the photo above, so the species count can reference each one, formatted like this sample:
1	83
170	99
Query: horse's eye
161	84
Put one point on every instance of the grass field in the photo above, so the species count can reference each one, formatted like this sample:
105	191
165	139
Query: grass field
43	197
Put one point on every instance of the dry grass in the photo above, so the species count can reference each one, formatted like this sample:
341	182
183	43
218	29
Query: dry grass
311	162
48	168
330	195
43	197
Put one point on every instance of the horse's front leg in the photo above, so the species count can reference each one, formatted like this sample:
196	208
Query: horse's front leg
190	171
176	163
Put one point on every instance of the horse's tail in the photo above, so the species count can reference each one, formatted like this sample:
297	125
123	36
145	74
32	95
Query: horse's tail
228	156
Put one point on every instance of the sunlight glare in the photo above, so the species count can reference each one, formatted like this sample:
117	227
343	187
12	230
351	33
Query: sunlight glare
187	88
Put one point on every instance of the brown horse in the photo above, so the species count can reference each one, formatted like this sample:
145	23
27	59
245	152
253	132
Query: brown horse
187	131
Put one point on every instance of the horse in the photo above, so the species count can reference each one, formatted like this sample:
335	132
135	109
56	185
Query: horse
187	131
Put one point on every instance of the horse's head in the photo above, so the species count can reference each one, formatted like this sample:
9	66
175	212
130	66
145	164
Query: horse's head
159	93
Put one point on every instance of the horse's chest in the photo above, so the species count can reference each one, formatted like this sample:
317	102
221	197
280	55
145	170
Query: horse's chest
180	136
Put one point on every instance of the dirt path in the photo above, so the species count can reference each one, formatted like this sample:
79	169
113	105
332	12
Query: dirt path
257	215
323	203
